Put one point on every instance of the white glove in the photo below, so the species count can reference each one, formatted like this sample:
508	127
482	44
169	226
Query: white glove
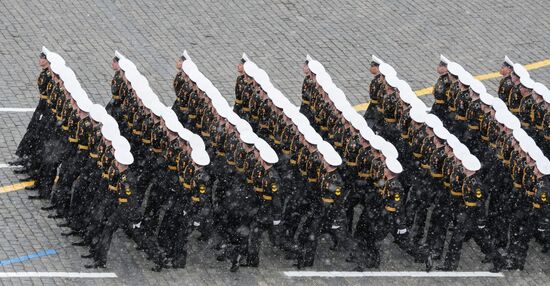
196	223
335	227
137	225
276	222
402	231
481	226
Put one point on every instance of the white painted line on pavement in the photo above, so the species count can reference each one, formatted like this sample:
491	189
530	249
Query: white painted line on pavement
8	166
331	274
13	109
58	274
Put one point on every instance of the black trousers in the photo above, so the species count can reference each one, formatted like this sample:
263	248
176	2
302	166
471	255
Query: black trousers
466	225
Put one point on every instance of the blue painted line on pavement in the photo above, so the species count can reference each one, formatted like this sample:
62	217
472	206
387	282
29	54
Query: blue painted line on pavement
27	257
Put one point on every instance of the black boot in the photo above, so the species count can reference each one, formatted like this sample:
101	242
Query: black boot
95	265
48	208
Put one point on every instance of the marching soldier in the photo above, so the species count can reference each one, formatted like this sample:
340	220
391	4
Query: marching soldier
122	183
471	220
375	87
505	85
441	88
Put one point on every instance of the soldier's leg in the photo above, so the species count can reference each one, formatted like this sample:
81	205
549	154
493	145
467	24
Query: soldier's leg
452	258
439	222
102	248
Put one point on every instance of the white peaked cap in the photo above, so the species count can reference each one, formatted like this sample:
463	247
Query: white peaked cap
442	133
471	163
453	141
329	154
520	70
417	103
243	126
186	55
51	56
109	120
200	157
85	104
196	142
168	114
520	134
512	122
262	78
250	68
392	80
332	158
67	74
300	120
121	144
527	82
185	134
527	144
444	59
455	68
404	87
478	87
266	152
124	157
465	78
508	61
418	115
126	65
394	166
433	121
291	111
460	154
377	142
535	152
498	104
157	107
540	89
367	133
486	98
189	68
316	67
45	51
324	81
57	67
248	137
109	131
72	86
173	125
97	112
544	166
310	134
387	70
389	151
376	60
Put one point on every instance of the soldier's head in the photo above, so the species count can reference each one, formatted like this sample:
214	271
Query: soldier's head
448	150
114	64
515	78
42	61
305	69
240	66
442	68
505	69
526	86
452	77
179	62
374	68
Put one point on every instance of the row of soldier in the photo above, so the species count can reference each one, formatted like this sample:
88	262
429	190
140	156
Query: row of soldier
305	195
513	180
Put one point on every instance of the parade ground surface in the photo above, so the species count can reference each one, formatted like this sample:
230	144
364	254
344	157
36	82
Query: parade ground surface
277	35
